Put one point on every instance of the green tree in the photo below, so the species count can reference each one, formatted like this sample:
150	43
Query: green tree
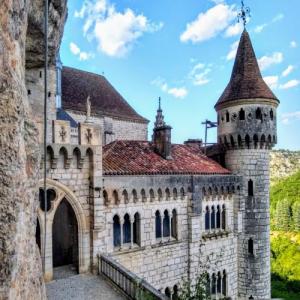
283	215
296	216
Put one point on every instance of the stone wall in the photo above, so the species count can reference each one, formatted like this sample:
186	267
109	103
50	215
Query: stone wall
116	129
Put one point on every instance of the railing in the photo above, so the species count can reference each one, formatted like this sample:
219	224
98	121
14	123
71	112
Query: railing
133	286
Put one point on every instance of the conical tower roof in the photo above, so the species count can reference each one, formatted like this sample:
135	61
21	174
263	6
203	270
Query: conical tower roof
246	81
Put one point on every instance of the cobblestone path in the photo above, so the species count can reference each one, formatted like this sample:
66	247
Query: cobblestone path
82	287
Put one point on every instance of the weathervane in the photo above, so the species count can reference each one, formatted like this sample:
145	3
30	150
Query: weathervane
242	15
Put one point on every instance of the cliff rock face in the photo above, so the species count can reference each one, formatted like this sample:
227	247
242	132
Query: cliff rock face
21	35
283	163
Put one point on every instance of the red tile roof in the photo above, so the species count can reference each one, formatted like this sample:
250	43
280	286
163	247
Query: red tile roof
77	85
139	158
246	81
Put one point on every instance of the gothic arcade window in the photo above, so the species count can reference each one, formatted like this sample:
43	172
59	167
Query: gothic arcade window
166	224
219	283
175	293
250	246
136	229
168	293
151	193
213	285
115	197
213	218
105	197
134	196
271	114
126	229
258	114
117	231
182	193
242	114
224	283
174	224
207	217
157	224
175	194
247	141
167	194
159	194
125	196
143	194
218	217
223	217
250	188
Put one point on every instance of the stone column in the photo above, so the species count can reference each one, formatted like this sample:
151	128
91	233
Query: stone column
162	227
131	233
121	233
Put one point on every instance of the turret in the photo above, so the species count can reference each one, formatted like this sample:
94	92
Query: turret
162	135
247	131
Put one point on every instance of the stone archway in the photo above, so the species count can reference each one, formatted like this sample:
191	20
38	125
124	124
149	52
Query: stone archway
65	236
67	198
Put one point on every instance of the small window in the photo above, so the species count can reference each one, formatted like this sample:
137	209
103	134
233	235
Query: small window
41	74
242	115
105	197
250	188
28	92
271	114
227	116
250	247
117	231
166	224
157	224
207	217
49	94
258	114
134	196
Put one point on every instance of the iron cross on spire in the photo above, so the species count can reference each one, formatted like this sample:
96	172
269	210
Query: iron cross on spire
244	13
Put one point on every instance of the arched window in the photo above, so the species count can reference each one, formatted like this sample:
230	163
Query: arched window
143	194
174	224
159	194
167	191
269	139
62	158
213	284
216	192
258	114
125	196
262	140
274	139
203	192
208	290
219	283
166	224
137	229
175	194
175	293
105	197
182	193
227	116
247	141
157	224
126	229
250	188
168	293
218	217
209	191
77	158
116	197
271	114
239	140
117	231
224	283
232	141
255	140
207	217
134	196
213	218
242	114
223	217
151	193
250	246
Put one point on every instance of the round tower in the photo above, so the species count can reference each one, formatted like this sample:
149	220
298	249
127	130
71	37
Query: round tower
247	131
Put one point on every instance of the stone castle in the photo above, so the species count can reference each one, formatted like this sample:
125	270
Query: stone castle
166	212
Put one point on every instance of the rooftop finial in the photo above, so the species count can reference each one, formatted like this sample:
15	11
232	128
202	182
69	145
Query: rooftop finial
159	116
243	14
159	101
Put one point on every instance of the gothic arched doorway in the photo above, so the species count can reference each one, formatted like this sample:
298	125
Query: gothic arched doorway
65	236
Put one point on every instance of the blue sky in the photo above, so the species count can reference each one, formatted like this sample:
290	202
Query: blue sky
183	50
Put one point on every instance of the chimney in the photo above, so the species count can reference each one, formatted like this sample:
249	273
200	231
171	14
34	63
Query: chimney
162	135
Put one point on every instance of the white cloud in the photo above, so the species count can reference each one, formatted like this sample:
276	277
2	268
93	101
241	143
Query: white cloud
233	49
286	118
272	81
293	44
199	73
234	30
260	28
266	61
116	32
278	18
289	84
82	55
74	48
209	23
287	71
177	92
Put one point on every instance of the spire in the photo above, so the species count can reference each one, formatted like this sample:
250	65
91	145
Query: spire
159	122
246	81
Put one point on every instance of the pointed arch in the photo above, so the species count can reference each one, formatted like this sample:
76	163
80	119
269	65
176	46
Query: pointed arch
242	114
152	196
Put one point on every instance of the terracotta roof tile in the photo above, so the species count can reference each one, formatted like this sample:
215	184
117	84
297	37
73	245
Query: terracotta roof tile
77	85
246	81
139	158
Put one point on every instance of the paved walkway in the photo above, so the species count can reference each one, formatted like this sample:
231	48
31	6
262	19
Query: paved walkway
82	287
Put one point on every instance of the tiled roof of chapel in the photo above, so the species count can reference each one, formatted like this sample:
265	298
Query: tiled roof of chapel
77	85
246	81
140	158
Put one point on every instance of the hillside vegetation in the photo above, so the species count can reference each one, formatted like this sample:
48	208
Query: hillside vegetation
285	224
